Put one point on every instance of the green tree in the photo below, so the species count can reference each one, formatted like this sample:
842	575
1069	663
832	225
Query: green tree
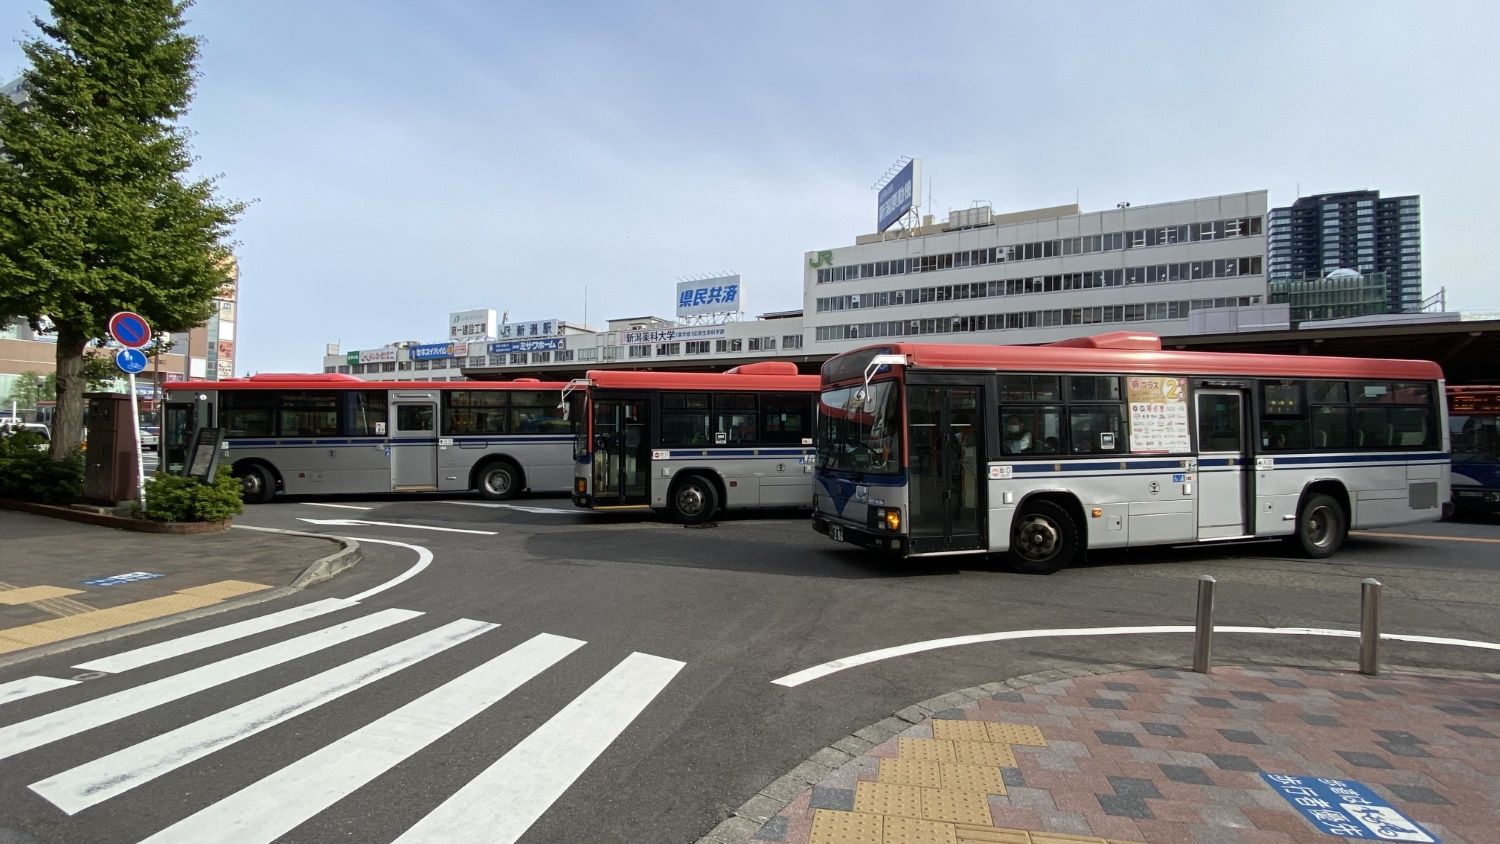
97	210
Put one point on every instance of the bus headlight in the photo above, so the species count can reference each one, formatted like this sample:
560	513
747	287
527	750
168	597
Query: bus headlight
888	518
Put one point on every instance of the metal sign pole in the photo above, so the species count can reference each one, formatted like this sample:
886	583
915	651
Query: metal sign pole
135	426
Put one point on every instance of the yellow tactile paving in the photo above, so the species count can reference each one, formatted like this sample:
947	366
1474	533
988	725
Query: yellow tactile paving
834	827
1016	734
57	629
223	589
969	778
927	773
941	804
917	831
32	594
960	730
885	798
983	753
975	834
939	750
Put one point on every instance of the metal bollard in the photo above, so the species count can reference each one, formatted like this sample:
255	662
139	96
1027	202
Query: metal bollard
1203	635
1369	626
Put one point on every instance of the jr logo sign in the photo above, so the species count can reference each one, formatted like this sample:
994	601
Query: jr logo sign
821	259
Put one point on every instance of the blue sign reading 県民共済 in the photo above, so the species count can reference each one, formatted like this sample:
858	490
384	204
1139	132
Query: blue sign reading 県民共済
1346	808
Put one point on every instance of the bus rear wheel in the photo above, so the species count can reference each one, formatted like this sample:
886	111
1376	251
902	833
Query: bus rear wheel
693	500
257	485
499	481
1043	539
1321	526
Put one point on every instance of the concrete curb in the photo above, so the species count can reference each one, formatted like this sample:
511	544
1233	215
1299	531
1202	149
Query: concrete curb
741	826
120	522
318	571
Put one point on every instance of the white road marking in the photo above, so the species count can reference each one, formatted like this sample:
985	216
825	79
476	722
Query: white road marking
505	799
28	686
209	638
524	508
339	506
360	522
818	671
25	735
424	559
101	779
272	807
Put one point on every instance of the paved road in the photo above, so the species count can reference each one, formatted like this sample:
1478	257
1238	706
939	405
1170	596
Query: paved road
626	693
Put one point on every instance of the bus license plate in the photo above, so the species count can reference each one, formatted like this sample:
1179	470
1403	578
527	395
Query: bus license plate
836	533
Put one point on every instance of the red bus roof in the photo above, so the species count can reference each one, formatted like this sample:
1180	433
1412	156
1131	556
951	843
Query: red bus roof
339	381
1132	352
766	375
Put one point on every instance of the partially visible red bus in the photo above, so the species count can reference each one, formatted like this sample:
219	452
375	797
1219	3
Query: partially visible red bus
1474	429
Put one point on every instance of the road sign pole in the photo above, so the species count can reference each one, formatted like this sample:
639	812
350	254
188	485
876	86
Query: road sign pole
135	426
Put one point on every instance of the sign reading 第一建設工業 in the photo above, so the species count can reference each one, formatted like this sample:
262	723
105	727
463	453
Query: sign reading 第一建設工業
542	344
666	335
1158	415
721	295
1346	808
472	325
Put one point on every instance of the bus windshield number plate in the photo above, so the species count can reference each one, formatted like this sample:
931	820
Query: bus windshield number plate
836	533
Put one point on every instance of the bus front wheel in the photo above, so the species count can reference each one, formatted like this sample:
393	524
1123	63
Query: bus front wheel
1321	526
257	485
499	481
1043	539
694	500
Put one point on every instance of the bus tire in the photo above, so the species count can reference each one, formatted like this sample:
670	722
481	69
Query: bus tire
693	500
257	484
499	480
1321	526
1043	538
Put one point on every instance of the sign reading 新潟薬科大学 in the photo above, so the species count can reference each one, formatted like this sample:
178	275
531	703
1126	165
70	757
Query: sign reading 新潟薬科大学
899	195
666	335
1346	808
721	295
1158	415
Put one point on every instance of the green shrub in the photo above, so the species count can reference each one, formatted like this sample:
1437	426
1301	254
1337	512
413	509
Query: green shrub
28	473
171	498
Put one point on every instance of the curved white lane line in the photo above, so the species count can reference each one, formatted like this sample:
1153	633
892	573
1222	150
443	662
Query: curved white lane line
424	559
819	671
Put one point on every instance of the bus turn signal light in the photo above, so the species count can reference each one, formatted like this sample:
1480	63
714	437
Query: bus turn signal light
580	485
888	518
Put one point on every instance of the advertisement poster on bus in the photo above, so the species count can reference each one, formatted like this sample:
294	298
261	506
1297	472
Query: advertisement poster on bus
1158	415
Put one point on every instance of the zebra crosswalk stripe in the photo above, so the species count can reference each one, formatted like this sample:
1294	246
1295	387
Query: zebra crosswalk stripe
28	686
273	806
94	782
208	638
44	729
505	799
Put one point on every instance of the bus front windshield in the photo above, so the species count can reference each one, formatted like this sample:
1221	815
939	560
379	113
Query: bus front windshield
1475	438
860	435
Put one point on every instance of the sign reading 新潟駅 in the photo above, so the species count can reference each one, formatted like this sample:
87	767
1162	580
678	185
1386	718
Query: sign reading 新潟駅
710	296
472	325
535	328
543	344
898	195
1346	808
1158	415
433	351
665	335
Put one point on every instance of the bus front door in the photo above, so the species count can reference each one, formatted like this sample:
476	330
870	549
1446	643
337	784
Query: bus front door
622	454
946	490
413	444
1222	469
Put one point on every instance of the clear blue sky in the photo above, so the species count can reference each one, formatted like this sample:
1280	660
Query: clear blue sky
408	159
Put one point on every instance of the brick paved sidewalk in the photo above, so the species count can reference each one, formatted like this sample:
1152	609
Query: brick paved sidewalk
1165	756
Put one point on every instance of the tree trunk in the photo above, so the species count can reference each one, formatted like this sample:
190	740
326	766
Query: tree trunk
67	423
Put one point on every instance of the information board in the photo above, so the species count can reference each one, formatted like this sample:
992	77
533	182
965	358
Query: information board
1158	415
203	454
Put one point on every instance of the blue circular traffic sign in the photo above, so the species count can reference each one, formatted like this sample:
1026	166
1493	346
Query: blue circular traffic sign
130	329
130	360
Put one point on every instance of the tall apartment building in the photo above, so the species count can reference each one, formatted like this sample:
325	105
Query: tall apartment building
1355	230
1039	276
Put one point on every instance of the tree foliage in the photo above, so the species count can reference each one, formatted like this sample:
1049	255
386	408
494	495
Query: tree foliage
32	387
98	212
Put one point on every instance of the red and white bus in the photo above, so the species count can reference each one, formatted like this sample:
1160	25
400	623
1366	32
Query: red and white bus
333	433
692	444
1474	428
1044	452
